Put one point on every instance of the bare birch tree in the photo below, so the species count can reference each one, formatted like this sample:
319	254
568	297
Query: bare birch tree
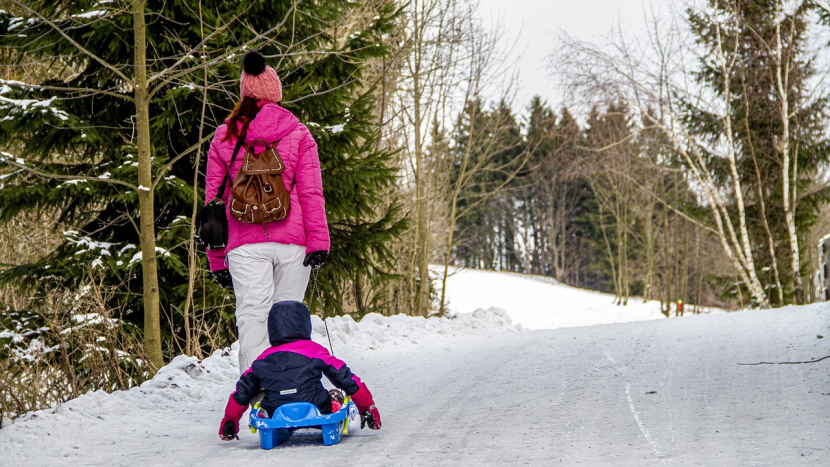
434	63
658	78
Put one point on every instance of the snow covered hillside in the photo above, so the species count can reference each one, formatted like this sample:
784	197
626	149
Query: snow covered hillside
537	302
473	390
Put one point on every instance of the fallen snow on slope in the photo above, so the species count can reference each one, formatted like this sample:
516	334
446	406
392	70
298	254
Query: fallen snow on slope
537	302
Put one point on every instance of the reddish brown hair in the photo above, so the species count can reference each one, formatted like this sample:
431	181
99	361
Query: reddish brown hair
244	111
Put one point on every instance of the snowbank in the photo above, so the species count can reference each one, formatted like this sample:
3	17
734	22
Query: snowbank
196	380
375	330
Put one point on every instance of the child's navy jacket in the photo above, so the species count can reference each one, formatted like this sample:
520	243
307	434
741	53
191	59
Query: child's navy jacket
291	369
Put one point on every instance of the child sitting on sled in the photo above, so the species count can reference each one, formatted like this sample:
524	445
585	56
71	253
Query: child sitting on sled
291	371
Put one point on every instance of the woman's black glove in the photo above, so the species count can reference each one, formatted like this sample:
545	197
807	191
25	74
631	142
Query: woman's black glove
316	259
223	278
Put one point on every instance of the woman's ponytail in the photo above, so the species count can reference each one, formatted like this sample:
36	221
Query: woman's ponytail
243	112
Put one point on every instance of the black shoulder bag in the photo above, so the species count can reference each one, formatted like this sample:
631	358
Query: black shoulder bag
212	220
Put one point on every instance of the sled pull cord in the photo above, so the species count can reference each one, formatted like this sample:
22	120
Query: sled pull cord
314	273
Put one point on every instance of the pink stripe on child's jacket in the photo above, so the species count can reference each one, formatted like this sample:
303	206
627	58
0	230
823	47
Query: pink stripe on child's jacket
310	349
306	223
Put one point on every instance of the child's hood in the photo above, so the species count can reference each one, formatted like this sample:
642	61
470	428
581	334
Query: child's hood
287	322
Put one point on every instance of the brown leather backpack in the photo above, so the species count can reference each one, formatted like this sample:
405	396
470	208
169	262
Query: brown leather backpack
258	194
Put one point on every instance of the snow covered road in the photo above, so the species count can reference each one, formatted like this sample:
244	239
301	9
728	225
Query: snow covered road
666	392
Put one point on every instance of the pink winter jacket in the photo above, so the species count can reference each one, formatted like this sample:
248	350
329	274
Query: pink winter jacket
306	222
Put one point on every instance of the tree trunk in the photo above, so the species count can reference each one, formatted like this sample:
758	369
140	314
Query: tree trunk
782	83
699	274
617	300
423	229
190	347
147	230
748	261
684	269
447	253
763	213
649	232
667	268
359	301
620	227
422	223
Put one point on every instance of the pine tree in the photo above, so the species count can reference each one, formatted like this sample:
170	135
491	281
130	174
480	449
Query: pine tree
553	195
508	138
489	156
533	200
72	134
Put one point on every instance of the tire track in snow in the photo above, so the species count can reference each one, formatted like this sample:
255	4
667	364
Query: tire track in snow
654	446
668	391
706	390
558	402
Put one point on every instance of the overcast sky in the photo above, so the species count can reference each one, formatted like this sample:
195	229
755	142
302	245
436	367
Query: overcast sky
537	23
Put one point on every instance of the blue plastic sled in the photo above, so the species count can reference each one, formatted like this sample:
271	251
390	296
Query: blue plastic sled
287	418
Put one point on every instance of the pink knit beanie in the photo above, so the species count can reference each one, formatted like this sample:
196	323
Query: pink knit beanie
259	80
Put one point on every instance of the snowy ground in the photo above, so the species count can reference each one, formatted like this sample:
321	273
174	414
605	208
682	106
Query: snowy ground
540	302
474	391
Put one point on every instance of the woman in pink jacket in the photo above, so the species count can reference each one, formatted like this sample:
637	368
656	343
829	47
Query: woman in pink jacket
266	268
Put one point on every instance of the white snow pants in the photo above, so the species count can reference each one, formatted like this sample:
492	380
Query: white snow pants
263	274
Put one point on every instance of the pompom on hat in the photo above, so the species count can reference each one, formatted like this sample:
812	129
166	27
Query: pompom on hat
259	80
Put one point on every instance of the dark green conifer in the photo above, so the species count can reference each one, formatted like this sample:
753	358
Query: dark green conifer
74	118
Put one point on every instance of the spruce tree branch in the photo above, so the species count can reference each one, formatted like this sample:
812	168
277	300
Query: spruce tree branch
78	46
352	81
38	87
198	46
13	161
161	171
321	93
220	58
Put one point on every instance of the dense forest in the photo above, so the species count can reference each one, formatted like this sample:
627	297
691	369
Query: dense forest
688	166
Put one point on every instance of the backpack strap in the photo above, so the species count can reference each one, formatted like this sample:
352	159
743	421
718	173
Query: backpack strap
267	145
264	143
227	177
